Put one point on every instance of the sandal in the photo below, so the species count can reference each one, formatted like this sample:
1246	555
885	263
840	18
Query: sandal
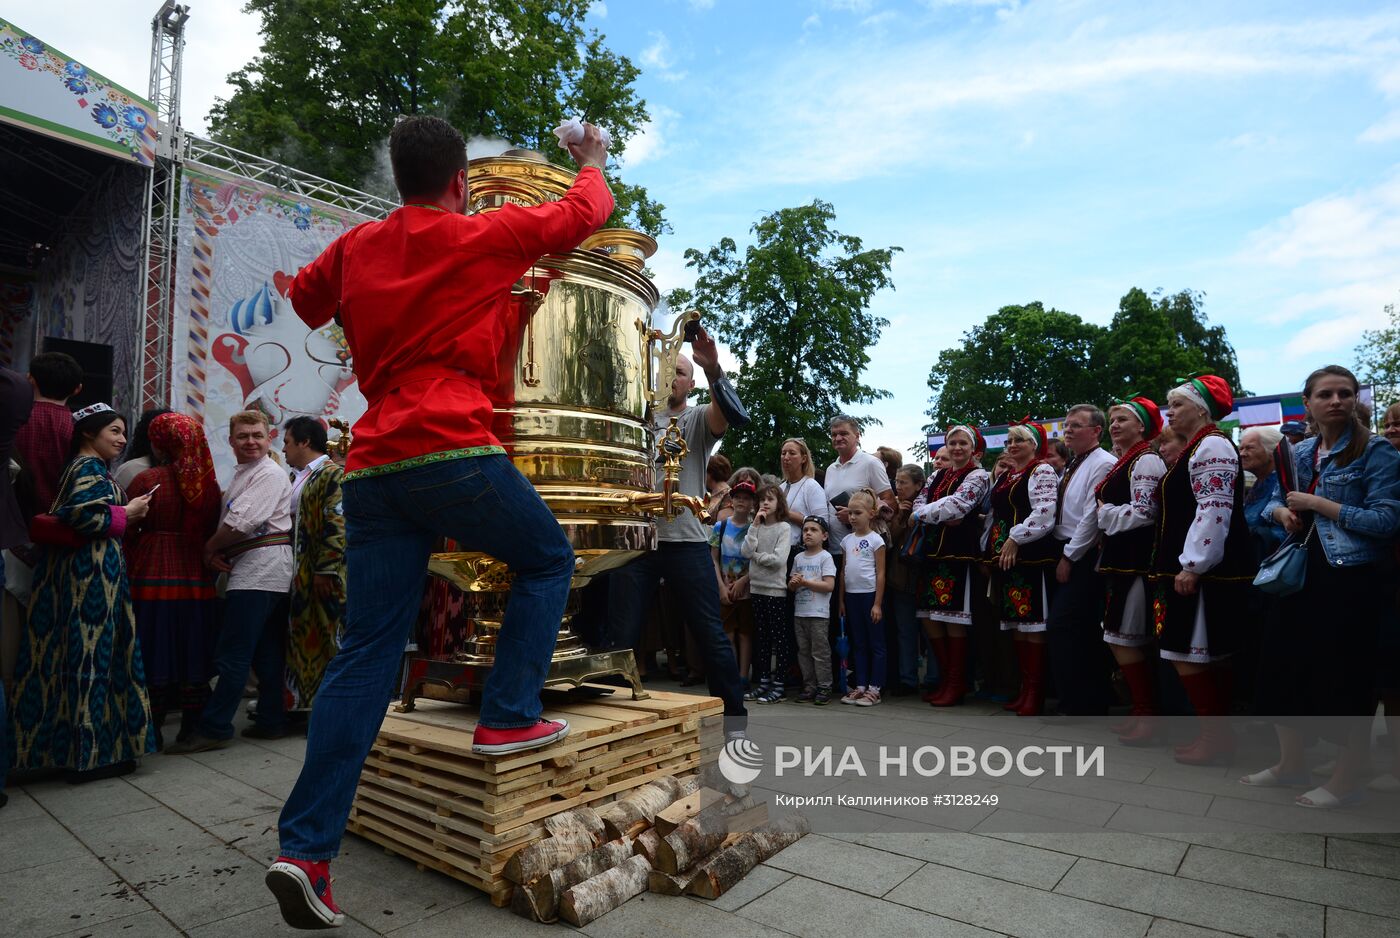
1387	782
1268	778
1322	799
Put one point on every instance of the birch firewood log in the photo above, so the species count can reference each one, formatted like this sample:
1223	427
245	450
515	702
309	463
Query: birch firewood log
586	901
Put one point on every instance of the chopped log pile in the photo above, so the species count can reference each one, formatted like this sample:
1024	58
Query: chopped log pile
698	840
494	821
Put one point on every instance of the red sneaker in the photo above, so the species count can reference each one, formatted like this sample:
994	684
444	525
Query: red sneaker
303	890
493	742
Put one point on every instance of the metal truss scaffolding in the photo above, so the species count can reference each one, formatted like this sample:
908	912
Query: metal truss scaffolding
279	176
154	364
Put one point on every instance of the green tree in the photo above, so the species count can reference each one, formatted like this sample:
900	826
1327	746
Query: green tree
1152	341
1378	359
795	309
1022	360
333	75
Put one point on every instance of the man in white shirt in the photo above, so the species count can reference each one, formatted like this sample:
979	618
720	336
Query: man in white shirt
253	544
1078	660
853	469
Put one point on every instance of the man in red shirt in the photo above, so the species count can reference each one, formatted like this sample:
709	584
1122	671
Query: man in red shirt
424	299
44	441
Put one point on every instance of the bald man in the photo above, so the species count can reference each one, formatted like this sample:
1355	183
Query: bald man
682	555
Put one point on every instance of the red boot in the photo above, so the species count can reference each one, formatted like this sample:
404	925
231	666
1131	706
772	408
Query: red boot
938	644
954	686
1033	679
1019	700
1209	699
1144	728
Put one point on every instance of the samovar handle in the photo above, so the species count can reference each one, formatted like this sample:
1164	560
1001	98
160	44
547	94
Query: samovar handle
341	445
663	350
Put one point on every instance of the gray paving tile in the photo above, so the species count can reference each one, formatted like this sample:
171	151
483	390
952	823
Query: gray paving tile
1361	857
198	886
141	837
1343	923
1195	903
1371	894
107	798
75	893
263	769
37	840
1016	863
760	880
1056	806
255	836
845	864
211	796
814	910
1141	851
141	925
1216	832
1162	928
21	806
1126	792
386	891
1290	817
1015	910
650	915
480	918
268	921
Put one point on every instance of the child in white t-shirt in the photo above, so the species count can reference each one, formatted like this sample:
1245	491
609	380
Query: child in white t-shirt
862	589
812	582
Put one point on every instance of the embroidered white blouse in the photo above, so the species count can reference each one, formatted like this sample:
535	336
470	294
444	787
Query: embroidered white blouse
1142	508
1044	491
959	503
1214	466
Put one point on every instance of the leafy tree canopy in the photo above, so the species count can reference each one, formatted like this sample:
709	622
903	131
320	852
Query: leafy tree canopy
333	75
795	310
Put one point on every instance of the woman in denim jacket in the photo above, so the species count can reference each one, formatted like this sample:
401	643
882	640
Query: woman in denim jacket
1315	662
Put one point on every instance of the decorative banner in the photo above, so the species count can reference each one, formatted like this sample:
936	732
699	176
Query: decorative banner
240	346
45	91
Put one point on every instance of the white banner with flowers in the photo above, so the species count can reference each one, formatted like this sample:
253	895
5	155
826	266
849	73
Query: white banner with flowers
238	343
43	90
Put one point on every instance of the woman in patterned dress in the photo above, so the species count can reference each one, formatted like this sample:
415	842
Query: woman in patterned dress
947	507
1024	554
1127	514
172	592
80	697
1203	562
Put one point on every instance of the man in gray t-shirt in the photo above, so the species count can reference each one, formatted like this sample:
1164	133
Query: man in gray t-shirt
682	555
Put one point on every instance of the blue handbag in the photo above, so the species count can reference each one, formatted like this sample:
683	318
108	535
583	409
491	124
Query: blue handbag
1285	571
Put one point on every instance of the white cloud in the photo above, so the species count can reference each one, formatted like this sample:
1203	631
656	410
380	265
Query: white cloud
649	142
812	22
1382	131
1336	261
599	10
702	4
658	54
849	6
1250	140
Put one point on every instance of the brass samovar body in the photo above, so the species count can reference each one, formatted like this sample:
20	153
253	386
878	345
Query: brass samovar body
577	379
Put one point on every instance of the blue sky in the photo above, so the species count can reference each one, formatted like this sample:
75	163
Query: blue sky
1016	151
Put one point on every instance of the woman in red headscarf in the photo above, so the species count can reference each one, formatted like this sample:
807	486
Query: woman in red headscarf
947	507
1023	554
172	591
1203	561
1127	512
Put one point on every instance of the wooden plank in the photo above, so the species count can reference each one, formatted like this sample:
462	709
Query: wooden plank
663	703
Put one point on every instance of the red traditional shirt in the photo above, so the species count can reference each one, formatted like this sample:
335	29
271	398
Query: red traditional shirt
424	298
43	444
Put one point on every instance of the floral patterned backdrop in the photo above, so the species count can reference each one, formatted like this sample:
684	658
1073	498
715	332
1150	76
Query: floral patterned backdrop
240	345
44	90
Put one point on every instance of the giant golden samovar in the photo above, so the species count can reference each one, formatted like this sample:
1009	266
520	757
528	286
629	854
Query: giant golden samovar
578	376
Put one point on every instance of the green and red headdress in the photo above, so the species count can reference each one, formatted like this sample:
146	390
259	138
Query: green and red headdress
1146	411
1209	392
1038	431
979	442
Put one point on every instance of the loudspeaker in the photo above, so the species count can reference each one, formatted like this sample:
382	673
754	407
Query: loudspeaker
96	361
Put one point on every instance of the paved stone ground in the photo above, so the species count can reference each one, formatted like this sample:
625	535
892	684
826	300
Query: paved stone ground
179	848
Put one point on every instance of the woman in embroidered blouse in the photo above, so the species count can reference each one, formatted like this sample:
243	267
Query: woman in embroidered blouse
1348	503
1024	554
947	507
80	697
1202	564
1127	513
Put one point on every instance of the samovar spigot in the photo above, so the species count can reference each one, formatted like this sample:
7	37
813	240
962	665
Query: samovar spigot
339	446
673	449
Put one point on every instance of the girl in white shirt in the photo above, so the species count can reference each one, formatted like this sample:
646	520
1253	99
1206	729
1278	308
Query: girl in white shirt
862	590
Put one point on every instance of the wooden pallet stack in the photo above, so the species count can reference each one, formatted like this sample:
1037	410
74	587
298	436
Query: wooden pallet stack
426	796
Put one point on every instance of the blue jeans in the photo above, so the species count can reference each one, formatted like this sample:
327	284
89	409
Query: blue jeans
690	575
391	523
867	639
254	633
4	711
903	608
